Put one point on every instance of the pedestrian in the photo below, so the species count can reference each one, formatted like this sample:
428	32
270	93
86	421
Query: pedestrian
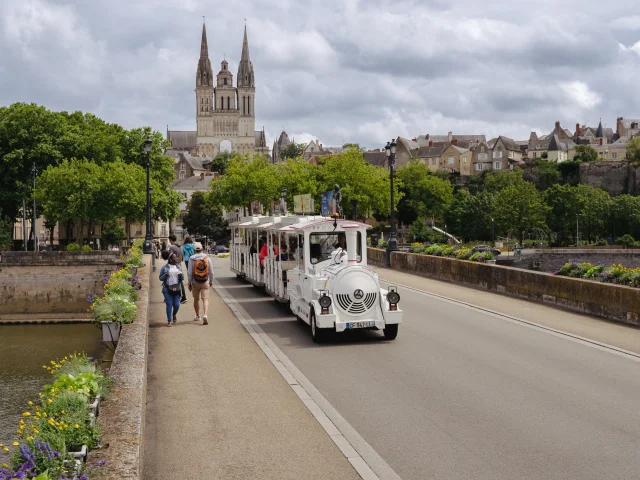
171	276
176	249
187	250
200	273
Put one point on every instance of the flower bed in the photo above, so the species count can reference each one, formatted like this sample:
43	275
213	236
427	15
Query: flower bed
117	306
461	253
616	274
59	424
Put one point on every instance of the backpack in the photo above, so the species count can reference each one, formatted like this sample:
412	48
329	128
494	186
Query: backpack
201	270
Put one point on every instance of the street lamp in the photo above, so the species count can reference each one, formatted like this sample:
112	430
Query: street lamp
34	170
493	233
578	215
283	198
148	239
354	204
391	159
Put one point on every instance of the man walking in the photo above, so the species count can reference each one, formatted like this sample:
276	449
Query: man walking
178	258
200	274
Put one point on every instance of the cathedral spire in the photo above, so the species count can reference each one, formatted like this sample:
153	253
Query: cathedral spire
245	68
204	48
204	75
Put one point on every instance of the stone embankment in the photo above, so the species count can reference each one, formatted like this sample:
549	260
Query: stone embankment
552	259
51	284
612	302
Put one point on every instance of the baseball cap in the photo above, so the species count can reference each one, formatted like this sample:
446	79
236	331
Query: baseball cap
197	246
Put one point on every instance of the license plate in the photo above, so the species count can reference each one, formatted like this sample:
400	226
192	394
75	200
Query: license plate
367	324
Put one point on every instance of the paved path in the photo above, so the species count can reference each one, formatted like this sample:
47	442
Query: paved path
218	409
465	394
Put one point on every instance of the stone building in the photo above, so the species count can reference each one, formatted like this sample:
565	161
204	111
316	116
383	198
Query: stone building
279	145
456	159
505	153
188	166
225	114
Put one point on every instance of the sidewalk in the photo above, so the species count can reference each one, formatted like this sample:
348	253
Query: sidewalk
622	336
218	409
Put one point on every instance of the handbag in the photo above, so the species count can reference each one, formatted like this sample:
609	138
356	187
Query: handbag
173	289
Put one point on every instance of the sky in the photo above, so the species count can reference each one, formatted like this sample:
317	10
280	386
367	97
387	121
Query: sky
361	71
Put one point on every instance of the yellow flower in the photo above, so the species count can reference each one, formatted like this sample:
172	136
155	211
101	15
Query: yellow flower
35	430
49	401
16	444
30	403
4	465
38	414
29	437
62	411
26	414
6	449
76	426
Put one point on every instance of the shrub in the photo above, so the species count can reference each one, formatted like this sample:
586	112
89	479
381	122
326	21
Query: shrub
463	253
602	242
626	240
447	251
474	257
87	248
419	231
114	308
73	247
419	248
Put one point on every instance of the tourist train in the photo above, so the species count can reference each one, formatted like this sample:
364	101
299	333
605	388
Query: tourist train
318	266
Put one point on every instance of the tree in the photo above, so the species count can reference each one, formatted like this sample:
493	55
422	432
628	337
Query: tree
518	209
469	216
113	234
497	180
633	148
6	228
424	194
548	174
625	213
299	177
564	204
419	231
204	218
220	162
585	153
347	146
596	211
293	150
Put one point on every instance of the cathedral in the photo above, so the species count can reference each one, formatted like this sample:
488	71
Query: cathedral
225	115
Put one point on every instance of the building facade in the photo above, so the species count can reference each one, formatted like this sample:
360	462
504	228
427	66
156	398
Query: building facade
225	114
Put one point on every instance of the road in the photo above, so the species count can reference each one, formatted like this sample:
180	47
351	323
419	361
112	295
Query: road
463	394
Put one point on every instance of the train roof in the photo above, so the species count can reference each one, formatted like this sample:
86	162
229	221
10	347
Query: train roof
293	223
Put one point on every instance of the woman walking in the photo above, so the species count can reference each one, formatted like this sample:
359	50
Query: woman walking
171	276
187	250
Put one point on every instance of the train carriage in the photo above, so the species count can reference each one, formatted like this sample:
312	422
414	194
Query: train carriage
318	266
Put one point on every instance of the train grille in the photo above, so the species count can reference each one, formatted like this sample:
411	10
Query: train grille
356	307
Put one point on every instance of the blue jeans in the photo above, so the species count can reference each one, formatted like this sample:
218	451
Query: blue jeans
173	305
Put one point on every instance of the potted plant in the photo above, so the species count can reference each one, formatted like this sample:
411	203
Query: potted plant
111	312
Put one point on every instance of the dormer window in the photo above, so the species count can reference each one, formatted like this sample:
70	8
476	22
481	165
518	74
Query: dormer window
634	125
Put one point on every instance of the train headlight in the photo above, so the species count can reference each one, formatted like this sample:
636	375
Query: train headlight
393	298
325	303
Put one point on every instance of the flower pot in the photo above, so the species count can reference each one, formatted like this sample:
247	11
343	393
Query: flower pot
491	262
94	407
80	457
110	331
134	270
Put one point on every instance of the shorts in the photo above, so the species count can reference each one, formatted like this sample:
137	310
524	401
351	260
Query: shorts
200	290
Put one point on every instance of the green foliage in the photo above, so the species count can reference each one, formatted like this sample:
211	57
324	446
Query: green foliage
113	234
114	308
616	274
86	248
85	384
463	253
424	194
5	231
548	174
293	150
73	247
633	148
204	218
625	213
469	216
356	146
419	231
626	240
585	153
220	162
518	208
497	180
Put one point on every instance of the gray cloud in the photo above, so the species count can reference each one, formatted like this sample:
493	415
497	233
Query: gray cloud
338	70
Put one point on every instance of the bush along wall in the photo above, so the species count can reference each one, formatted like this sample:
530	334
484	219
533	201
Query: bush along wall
56	432
461	253
616	274
117	305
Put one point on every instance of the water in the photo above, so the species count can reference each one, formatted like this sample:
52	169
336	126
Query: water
23	351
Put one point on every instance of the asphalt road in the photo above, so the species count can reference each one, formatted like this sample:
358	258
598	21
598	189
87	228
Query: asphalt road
462	394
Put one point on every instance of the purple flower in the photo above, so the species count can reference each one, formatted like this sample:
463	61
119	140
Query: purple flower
100	463
91	297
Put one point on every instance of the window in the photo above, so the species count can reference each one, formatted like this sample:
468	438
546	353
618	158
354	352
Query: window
451	160
614	155
182	175
322	245
225	81
497	165
433	161
478	166
183	166
634	125
184	195
497	154
602	154
465	160
222	103
483	156
228	103
510	154
163	231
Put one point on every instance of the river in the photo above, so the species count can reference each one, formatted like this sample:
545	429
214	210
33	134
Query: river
23	351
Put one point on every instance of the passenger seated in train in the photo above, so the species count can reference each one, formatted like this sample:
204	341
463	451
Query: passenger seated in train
284	254
342	241
253	249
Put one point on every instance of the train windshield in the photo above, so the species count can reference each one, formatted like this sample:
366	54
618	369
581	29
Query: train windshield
322	245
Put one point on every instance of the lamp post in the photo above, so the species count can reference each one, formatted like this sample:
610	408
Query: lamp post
283	198
148	239
354	204
34	170
578	229
392	245
493	233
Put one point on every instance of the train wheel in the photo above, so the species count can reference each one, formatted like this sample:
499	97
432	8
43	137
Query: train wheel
391	332
319	335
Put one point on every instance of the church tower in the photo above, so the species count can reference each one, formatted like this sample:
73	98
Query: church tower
246	90
204	82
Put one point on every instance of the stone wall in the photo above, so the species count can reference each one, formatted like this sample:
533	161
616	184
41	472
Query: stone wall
613	302
52	282
550	260
122	416
614	177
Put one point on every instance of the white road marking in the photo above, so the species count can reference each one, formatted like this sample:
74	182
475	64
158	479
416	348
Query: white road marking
364	459
526	323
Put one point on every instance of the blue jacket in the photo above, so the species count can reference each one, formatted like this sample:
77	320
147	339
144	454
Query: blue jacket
164	274
187	250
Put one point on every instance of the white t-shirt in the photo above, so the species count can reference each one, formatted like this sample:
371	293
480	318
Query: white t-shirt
172	275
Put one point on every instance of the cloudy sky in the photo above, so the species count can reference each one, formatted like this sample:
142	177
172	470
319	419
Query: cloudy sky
337	70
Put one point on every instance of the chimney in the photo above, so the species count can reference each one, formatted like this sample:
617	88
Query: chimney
450	136
558	124
202	176
577	129
431	143
414	139
454	142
